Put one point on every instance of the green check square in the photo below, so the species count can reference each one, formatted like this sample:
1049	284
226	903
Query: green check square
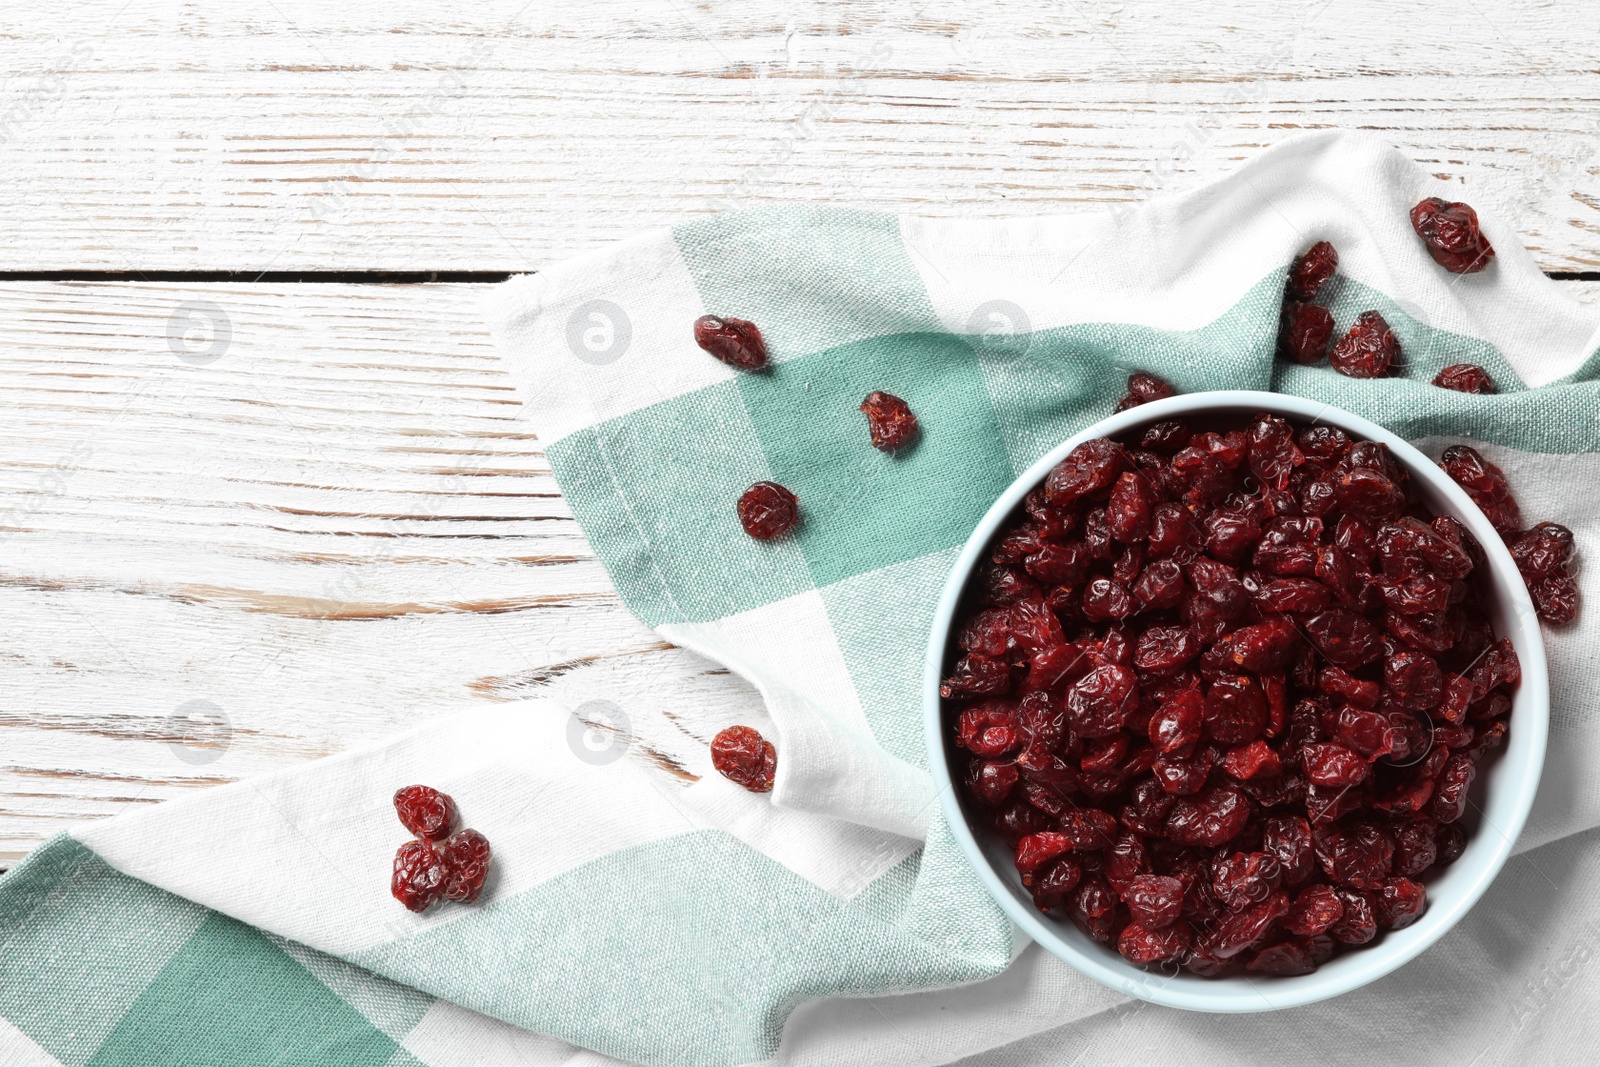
657	493
863	509
231	996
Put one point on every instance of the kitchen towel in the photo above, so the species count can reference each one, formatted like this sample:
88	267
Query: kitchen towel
640	917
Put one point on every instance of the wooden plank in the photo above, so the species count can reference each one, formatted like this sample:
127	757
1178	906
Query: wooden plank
337	527
501	136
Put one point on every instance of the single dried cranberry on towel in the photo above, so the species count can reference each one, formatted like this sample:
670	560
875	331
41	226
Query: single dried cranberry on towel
1305	332
1451	234
466	859
1369	350
1545	557
425	811
890	421
1465	378
419	875
742	756
1311	270
734	341
1485	483
1143	388
768	510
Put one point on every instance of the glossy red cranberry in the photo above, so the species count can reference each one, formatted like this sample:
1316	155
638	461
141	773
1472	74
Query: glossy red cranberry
1305	332
466	857
1545	557
742	756
1088	470
890	421
419	875
1450	233
425	811
1143	388
1465	378
1142	945
1311	270
768	510
1369	350
734	341
1485	483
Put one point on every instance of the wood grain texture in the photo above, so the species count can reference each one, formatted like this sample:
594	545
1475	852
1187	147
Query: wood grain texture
338	527
502	135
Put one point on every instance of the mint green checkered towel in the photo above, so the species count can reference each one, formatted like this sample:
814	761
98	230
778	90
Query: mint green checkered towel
831	921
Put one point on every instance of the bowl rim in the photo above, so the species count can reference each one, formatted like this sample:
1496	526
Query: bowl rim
1244	994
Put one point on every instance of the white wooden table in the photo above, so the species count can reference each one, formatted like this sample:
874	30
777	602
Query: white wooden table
264	490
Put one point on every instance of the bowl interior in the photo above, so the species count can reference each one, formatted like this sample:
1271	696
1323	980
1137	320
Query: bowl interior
1500	799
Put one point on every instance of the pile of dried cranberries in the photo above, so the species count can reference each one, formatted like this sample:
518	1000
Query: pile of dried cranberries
1225	689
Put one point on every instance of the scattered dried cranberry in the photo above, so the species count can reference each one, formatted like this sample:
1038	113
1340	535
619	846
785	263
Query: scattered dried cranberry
1465	378
1143	388
466	858
1545	557
734	341
1451	234
1226	690
1369	350
1312	270
890	421
419	875
425	811
438	865
1485	483
742	756
768	510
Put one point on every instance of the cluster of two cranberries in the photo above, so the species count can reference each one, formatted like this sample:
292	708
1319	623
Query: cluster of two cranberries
767	509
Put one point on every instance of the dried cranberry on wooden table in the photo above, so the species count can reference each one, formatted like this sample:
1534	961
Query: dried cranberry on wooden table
736	342
742	756
1450	233
442	863
768	510
889	420
1224	688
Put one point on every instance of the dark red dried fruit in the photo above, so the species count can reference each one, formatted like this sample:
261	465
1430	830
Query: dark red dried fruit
1143	388
768	510
1316	908
1305	333
1485	483
1154	901
466	856
1451	235
1089	469
1142	945
1211	818
419	875
1465	378
742	756
1369	350
1311	270
1278	685
890	421
1545	557
734	341
425	811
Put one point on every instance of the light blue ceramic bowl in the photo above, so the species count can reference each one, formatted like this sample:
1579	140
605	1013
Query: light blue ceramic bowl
1501	796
